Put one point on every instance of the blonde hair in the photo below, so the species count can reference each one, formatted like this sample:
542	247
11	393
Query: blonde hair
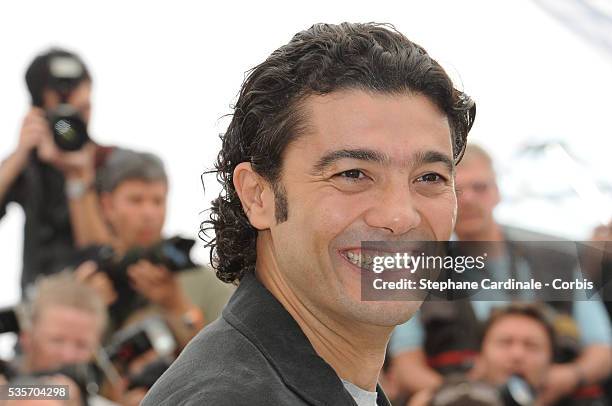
63	289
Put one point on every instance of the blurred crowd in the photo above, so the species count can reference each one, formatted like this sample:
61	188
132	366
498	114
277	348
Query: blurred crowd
108	301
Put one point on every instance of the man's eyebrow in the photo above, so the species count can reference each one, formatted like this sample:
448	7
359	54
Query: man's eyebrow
419	158
432	157
360	154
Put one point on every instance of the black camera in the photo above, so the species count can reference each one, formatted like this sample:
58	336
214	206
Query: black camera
67	126
135	340
173	253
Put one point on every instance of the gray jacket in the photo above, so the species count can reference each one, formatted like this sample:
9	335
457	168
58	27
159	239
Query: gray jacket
254	354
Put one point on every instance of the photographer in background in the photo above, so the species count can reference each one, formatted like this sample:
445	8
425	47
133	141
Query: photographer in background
51	171
64	324
521	340
517	349
61	328
517	340
133	188
444	338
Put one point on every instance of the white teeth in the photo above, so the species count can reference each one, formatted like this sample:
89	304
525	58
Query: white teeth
366	261
360	259
354	258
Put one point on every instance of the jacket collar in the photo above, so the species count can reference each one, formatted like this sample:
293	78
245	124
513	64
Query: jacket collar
257	314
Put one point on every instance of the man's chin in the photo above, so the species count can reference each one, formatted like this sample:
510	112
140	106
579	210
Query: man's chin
469	226
384	313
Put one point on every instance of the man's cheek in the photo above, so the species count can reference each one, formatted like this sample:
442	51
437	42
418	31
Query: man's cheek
442	220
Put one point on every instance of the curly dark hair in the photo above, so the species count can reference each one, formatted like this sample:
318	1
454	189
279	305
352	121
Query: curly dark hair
267	117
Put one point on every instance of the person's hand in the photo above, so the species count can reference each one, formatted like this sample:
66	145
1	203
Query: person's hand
562	380
158	285
88	274
35	133
77	164
33	129
421	398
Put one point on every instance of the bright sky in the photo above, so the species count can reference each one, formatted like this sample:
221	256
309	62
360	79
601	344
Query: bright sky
165	72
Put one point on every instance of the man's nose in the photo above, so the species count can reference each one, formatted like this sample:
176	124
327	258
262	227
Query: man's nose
517	352
394	210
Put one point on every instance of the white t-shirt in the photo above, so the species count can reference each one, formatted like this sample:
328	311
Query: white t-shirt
362	397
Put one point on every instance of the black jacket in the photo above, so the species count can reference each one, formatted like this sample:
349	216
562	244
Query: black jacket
255	354
48	244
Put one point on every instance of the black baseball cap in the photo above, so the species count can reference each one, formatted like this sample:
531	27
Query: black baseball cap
56	68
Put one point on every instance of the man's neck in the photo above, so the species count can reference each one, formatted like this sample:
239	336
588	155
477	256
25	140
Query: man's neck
355	351
491	233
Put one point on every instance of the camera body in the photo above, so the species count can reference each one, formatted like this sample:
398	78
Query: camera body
172	253
135	340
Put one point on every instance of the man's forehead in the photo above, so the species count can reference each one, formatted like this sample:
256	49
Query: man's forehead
507	325
395	128
475	167
135	185
51	313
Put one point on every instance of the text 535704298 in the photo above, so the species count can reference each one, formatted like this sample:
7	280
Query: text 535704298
34	392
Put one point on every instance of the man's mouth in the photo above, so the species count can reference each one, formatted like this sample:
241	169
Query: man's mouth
367	259
359	259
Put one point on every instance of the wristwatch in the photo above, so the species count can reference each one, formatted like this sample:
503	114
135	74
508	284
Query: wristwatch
76	188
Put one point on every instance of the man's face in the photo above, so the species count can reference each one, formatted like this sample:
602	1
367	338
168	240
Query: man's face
60	336
516	344
80	99
371	167
477	196
136	210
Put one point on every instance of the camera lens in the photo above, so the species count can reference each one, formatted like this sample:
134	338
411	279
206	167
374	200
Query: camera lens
68	128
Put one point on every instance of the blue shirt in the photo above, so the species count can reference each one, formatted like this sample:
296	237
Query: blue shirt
590	316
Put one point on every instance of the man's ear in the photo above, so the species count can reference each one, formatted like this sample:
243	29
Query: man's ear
256	196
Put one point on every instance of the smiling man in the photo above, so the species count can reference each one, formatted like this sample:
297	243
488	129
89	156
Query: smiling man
348	133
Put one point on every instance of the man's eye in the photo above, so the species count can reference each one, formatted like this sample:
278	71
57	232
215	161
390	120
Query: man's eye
431	178
352	174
